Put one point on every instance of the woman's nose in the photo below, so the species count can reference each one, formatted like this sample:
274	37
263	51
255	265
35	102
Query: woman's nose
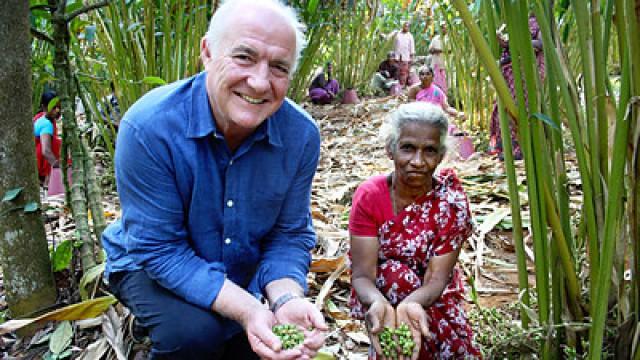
418	159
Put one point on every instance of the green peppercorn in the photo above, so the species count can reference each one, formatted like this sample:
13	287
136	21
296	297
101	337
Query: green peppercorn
289	335
405	339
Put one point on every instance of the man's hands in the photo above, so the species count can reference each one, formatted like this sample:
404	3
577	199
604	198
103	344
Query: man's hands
307	317
414	315
380	314
258	326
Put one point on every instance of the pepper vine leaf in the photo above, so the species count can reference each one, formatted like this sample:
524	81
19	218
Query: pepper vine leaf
31	207
12	194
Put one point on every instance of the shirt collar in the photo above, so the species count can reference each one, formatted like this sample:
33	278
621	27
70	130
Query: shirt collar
202	124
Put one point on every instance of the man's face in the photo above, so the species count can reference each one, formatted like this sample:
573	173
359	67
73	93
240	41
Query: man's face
405	27
248	72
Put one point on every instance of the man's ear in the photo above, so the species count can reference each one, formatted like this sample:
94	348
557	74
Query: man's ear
205	51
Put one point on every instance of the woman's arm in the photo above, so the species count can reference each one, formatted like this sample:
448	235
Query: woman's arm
453	112
364	259
435	279
413	92
46	141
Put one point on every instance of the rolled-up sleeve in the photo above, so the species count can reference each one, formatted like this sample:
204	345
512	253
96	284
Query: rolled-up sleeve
287	247
153	220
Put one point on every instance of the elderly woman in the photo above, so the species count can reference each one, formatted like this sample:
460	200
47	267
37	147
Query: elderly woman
407	229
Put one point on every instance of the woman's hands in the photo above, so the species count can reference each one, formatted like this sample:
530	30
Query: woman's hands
379	315
415	316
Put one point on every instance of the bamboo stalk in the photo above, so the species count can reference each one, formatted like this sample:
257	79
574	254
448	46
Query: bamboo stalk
519	40
573	121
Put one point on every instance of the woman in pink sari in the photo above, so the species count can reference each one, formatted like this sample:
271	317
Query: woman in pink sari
428	91
406	230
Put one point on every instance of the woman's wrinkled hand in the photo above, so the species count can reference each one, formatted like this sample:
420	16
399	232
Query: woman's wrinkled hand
380	315
415	316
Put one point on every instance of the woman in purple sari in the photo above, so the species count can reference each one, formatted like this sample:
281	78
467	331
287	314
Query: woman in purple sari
324	87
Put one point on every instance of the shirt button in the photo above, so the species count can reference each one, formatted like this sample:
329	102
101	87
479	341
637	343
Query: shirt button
230	203
227	241
230	162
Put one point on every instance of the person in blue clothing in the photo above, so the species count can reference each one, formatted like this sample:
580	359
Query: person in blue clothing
214	175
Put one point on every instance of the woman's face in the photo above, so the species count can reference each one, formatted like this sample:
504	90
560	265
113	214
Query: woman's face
426	77
416	155
54	113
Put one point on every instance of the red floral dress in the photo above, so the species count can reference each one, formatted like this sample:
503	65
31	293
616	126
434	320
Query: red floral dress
434	225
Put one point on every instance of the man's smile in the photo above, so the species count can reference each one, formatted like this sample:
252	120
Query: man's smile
251	100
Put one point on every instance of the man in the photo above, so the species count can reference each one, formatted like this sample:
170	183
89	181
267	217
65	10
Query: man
404	46
214	175
387	74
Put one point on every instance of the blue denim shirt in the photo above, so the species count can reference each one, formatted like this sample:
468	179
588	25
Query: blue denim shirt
194	213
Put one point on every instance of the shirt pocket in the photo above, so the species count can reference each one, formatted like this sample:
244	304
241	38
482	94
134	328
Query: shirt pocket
264	210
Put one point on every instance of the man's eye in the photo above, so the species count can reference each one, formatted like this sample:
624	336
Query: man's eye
242	57
281	69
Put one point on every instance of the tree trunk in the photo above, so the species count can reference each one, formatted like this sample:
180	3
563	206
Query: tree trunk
28	280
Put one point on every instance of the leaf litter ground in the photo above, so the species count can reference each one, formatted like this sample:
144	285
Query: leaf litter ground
351	152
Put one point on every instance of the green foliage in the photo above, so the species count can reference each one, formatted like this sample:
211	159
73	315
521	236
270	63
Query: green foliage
500	334
12	194
360	43
60	342
156	41
578	43
61	256
315	14
90	276
31	207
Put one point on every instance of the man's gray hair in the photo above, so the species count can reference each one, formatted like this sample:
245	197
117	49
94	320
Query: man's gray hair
418	112
229	8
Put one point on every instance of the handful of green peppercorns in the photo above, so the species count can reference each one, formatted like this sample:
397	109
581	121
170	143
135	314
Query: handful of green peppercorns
391	338
289	335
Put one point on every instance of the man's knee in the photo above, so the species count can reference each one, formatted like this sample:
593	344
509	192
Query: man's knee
188	337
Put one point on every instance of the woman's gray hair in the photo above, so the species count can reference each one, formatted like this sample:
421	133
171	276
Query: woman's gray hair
418	112
218	23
